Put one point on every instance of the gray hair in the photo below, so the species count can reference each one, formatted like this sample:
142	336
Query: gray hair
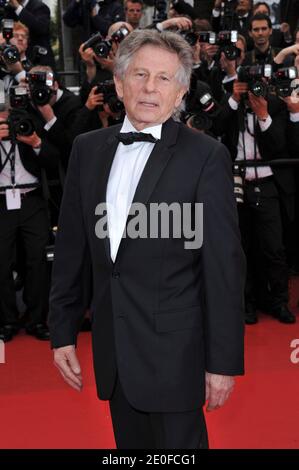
168	41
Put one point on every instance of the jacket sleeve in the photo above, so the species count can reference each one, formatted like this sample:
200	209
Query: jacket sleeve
67	305
223	267
37	21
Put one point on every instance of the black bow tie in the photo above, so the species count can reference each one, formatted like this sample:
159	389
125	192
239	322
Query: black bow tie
128	138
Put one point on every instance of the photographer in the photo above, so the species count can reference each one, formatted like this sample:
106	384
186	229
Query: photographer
224	72
201	108
23	213
58	108
280	38
254	128
260	31
235	15
98	56
134	12
36	16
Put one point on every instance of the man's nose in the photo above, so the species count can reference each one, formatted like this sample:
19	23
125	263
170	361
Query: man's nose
150	84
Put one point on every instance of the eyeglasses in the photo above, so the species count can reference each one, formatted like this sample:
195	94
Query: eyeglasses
20	36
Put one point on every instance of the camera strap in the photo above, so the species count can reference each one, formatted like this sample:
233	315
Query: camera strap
11	157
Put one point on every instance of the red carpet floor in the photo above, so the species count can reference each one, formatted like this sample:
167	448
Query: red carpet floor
37	410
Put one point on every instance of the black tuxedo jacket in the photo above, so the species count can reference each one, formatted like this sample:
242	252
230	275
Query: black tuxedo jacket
161	314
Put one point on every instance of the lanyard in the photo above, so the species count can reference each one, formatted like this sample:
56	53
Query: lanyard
11	157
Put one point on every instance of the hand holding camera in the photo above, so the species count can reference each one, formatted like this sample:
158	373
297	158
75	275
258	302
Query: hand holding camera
239	88
4	130
94	99
259	106
33	140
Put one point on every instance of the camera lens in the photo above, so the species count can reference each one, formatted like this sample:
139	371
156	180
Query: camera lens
102	49
41	95
115	104
258	89
24	127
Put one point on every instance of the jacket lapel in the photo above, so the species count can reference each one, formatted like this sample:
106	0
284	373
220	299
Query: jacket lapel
105	155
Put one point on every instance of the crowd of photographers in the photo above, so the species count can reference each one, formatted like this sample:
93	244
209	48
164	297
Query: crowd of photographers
244	92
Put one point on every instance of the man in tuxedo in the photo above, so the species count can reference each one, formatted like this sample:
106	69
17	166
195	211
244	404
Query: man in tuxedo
167	321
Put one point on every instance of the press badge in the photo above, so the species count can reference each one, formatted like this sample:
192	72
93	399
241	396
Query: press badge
13	199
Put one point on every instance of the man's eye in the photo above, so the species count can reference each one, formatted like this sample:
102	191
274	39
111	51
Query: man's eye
164	79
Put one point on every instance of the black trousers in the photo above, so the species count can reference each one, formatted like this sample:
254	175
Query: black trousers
32	225
134	429
261	231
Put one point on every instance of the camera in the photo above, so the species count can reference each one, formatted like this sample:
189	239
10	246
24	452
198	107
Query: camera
190	37
102	47
38	52
207	36
18	97
120	34
226	40
19	121
107	87
201	107
9	54
7	29
39	86
255	75
282	81
93	42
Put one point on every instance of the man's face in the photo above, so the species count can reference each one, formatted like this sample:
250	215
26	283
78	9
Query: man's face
261	9
20	40
133	13
260	33
149	89
243	6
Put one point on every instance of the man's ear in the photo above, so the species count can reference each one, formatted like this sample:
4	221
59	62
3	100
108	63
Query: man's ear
118	87
180	96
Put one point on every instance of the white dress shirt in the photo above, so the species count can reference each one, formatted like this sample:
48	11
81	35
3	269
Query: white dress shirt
22	176
126	170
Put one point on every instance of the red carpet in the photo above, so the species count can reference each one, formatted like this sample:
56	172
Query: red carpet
37	410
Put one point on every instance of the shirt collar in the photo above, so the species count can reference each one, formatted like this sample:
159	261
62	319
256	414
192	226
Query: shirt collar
24	3
58	94
154	130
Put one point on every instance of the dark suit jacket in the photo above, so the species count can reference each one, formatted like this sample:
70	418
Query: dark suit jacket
47	158
36	16
161	314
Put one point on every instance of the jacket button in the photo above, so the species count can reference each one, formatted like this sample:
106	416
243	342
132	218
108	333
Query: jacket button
116	275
